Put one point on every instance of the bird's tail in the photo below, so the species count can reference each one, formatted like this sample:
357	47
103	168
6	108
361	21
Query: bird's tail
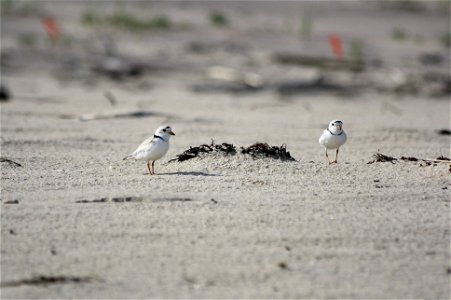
127	157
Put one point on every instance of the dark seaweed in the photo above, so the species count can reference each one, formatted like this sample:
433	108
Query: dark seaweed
409	158
193	152
444	132
45	280
10	162
379	157
441	157
263	149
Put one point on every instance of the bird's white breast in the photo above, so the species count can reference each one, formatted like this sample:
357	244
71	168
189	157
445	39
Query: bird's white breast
330	141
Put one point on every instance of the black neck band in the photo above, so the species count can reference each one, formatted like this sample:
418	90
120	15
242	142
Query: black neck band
333	133
158	137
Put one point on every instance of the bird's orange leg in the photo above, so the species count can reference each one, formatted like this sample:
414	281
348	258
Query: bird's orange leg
327	156
153	171
148	167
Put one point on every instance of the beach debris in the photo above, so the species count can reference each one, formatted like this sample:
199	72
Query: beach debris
282	265
444	132
431	58
12	202
212	200
257	150
46	280
10	162
138	113
443	158
112	199
379	186
92	201
207	47
319	84
410	158
132	199
110	97
322	62
265	150
250	79
379	157
5	95
192	152
174	199
214	86
126	199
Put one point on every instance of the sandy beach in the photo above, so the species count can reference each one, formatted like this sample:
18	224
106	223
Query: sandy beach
79	222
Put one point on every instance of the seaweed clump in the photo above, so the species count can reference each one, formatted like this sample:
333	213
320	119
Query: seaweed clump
193	152
263	149
257	150
379	157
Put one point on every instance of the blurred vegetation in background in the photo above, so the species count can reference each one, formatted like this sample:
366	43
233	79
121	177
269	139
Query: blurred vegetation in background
306	26
445	39
398	34
21	8
356	50
218	19
127	21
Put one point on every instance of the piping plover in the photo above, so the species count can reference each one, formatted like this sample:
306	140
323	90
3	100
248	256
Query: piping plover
153	148
332	138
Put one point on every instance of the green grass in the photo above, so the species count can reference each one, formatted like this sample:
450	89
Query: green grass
398	34
445	39
218	19
356	50
126	21
21	8
90	18
306	27
27	40
7	7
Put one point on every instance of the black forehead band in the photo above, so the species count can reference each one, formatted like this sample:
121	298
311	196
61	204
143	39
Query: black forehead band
338	122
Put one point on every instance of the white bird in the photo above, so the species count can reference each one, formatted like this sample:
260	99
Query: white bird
332	138
153	148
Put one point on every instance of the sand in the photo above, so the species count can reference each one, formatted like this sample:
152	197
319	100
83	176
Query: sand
89	225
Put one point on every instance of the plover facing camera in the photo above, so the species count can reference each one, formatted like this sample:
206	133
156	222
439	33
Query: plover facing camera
153	148
333	138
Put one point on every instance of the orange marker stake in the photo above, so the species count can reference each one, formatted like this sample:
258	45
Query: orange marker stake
51	27
335	45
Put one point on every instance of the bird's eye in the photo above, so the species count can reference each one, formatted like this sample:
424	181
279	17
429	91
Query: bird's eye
164	130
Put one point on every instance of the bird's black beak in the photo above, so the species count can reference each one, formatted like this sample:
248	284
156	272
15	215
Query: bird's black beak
171	133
